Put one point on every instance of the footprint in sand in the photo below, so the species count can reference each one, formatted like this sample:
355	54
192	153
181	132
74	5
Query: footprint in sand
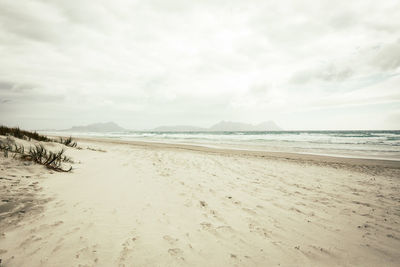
250	211
30	240
176	252
233	201
206	225
203	204
127	248
87	255
57	223
74	230
170	239
56	248
188	203
128	245
225	230
255	228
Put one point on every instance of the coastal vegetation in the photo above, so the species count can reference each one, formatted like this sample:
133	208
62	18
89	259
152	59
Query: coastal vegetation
22	134
37	153
68	142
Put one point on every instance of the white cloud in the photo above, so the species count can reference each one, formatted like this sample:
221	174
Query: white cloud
144	63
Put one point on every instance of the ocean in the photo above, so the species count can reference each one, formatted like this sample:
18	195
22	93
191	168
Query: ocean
354	144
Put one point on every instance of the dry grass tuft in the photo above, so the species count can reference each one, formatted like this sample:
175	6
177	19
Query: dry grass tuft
38	154
68	142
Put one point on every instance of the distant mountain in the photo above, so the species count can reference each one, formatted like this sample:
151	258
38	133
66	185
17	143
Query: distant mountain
223	126
179	128
97	127
229	126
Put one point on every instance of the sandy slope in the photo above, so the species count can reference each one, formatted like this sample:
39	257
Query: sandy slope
155	205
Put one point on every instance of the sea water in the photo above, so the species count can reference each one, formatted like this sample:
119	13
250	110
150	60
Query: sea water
356	144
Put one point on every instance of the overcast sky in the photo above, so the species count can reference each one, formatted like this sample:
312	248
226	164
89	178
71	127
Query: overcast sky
304	64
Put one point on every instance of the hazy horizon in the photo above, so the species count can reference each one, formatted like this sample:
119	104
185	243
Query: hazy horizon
142	64
206	128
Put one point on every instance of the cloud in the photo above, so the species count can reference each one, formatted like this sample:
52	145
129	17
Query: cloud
15	87
326	73
209	60
6	85
387	57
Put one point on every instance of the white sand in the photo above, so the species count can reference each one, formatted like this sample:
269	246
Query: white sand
144	204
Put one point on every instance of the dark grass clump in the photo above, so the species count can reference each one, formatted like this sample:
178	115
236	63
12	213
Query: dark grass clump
52	160
10	146
68	142
22	134
95	149
38	154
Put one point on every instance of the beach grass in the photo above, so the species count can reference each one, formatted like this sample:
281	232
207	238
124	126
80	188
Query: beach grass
28	135
68	142
37	153
22	134
52	160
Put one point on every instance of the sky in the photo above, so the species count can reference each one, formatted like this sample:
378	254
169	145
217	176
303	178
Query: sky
310	65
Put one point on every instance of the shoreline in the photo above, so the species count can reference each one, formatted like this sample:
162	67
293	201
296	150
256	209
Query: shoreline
344	144
296	156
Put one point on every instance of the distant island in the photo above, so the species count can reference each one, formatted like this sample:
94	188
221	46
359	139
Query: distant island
97	127
223	126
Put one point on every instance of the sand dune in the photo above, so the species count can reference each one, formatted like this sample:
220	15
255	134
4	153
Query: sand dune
138	204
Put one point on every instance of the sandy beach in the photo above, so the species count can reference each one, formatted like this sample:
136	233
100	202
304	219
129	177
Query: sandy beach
152	204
